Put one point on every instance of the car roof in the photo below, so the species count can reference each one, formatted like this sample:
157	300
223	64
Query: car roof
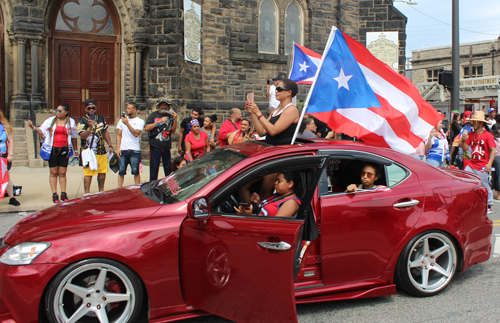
256	148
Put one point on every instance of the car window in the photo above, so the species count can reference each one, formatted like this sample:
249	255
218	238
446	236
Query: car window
395	174
186	181
342	172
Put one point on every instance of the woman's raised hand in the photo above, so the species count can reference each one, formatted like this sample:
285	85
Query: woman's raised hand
255	198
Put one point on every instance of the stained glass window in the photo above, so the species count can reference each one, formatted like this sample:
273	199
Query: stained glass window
268	27
85	16
293	26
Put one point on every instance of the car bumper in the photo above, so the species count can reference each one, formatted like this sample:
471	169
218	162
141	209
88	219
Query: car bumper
21	288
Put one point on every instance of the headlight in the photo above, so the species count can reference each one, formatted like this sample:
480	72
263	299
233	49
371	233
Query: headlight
24	253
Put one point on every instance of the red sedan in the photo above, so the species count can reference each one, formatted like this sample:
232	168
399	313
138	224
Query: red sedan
176	248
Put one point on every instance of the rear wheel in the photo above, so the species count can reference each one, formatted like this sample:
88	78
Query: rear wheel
427	264
94	290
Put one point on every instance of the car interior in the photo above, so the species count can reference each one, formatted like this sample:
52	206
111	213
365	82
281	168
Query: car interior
341	172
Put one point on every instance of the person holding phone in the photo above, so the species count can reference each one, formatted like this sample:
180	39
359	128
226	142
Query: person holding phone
128	143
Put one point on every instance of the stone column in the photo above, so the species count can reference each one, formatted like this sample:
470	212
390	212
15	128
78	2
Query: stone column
131	51
36	67
19	69
138	73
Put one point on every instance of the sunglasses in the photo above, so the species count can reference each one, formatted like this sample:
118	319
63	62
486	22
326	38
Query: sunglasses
91	108
59	111
368	174
475	122
281	89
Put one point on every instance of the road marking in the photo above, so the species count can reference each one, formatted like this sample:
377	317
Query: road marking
496	246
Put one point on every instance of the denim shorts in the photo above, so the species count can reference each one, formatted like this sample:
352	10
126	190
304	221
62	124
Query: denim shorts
132	157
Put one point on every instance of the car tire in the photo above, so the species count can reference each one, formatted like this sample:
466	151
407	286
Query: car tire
88	288
427	264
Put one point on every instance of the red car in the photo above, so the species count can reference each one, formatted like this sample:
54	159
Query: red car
176	248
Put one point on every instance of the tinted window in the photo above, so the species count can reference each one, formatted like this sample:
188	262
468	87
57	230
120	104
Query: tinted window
395	174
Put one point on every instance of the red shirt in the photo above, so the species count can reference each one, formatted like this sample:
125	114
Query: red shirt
227	127
60	137
197	146
481	149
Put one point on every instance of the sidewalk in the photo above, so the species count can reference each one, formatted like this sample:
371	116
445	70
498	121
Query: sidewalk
36	194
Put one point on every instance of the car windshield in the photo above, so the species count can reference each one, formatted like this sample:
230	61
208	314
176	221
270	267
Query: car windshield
188	180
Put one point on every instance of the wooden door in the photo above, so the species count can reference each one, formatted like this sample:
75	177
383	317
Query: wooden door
84	70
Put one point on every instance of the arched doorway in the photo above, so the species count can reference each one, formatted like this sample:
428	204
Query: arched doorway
84	48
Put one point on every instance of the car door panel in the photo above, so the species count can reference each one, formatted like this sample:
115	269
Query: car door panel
361	231
226	272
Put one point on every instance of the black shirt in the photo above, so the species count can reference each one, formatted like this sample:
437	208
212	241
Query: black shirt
162	139
100	127
283	138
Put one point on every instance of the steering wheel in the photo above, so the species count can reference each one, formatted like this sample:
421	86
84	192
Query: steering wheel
231	202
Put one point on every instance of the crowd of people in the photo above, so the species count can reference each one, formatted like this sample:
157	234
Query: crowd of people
471	143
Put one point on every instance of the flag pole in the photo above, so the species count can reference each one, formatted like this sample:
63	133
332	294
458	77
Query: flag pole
304	108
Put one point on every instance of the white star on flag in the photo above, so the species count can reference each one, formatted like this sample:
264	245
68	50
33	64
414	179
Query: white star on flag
343	79
303	67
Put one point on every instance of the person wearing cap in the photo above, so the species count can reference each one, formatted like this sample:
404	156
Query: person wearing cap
161	124
93	129
271	93
128	143
492	113
483	147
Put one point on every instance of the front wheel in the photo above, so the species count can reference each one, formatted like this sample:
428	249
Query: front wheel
94	290
427	264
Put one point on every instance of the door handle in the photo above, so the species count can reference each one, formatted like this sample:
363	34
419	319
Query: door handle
406	204
83	95
275	245
87	91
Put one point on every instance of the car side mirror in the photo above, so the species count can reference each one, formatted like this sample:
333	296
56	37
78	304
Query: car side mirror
199	209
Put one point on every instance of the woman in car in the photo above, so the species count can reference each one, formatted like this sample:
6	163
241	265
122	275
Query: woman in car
369	174
284	203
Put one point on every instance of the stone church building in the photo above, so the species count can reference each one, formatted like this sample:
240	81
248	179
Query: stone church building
56	51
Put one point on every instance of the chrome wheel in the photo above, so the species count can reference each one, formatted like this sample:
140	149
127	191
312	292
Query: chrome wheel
427	264
102	291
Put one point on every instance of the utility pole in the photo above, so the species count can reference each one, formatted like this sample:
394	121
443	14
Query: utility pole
455	45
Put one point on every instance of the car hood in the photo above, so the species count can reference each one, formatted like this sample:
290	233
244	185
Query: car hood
83	214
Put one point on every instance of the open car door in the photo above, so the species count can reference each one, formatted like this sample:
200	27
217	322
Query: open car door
241	267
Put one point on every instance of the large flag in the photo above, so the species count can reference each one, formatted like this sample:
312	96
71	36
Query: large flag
305	63
4	177
356	94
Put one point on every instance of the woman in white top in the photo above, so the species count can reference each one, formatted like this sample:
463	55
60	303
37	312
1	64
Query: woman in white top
59	133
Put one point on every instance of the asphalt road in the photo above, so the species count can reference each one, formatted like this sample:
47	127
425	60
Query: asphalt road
471	297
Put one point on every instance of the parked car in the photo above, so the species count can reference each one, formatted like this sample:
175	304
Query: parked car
175	248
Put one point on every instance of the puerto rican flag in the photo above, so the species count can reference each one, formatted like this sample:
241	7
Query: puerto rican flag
4	177
356	94
305	64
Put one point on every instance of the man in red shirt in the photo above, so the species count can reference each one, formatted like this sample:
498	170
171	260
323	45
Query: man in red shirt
483	145
230	125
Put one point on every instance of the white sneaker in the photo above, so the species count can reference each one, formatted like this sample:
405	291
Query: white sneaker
489	210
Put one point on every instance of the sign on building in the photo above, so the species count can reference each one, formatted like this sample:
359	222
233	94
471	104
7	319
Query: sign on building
192	32
384	46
